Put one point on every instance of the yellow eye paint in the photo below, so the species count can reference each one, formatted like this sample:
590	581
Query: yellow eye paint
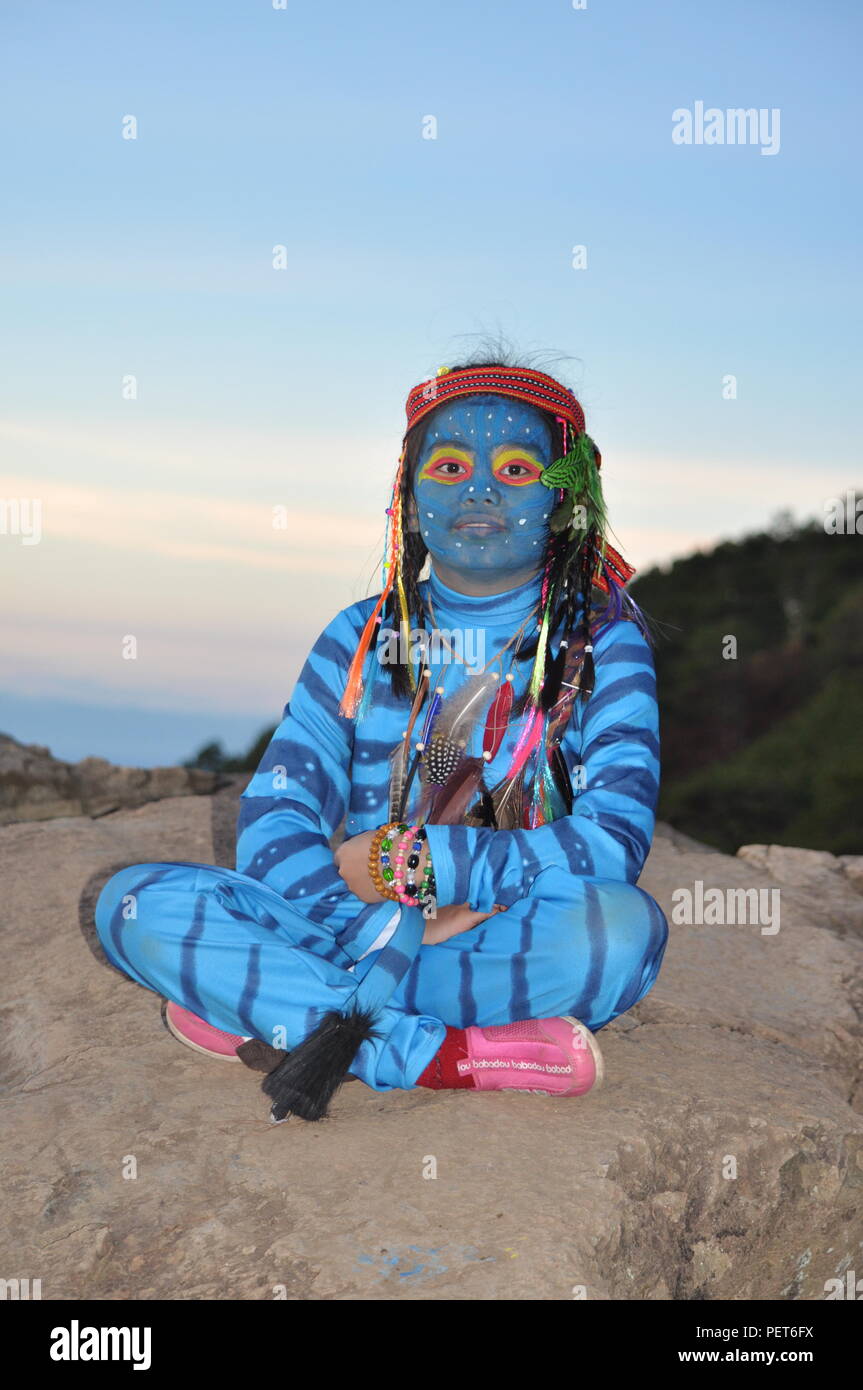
435	467
516	454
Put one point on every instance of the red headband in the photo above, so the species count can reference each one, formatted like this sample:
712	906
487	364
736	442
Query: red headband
521	383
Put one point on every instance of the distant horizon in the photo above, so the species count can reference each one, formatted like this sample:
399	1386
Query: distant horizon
134	735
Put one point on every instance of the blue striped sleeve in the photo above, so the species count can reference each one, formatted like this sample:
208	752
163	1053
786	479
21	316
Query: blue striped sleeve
611	748
299	795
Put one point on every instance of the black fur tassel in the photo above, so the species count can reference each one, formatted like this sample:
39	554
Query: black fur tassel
306	1081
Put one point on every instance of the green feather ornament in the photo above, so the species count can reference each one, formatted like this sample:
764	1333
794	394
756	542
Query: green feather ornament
577	473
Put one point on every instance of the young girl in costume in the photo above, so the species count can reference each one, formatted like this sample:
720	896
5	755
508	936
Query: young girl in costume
488	735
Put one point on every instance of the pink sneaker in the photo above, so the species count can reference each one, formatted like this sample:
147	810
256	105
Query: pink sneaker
551	1056
201	1036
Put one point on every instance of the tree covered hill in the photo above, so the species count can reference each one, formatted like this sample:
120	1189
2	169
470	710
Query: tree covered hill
759	661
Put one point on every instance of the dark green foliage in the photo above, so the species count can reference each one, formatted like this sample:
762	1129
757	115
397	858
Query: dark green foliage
214	758
211	757
767	747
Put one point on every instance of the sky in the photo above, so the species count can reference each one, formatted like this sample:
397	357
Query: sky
167	390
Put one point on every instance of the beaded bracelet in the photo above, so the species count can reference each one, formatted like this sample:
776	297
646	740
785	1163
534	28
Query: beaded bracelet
387	879
379	860
427	891
409	893
407	889
389	850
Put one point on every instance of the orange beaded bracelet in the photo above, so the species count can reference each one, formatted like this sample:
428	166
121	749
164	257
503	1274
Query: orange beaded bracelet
385	889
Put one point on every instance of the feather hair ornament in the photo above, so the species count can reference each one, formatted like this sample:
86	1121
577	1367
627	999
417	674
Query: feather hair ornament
451	779
432	712
507	799
497	720
577	473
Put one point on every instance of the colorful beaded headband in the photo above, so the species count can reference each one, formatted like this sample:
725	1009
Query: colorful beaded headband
521	383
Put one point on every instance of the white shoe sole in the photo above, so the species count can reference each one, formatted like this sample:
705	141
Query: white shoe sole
590	1040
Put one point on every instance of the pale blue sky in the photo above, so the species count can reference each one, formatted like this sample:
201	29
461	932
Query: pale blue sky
258	388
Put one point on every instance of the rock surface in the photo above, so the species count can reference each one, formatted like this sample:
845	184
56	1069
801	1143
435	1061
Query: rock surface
34	785
723	1159
818	879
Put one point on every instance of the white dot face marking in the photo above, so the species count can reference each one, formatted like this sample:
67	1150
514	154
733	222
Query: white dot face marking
458	545
430	515
488	489
522	520
471	489
425	533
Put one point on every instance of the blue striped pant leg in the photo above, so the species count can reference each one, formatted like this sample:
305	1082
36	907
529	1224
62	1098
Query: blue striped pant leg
244	959
589	947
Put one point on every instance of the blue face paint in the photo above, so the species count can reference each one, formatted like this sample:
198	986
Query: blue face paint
480	504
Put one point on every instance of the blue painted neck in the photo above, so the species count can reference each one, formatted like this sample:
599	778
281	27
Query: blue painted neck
484	610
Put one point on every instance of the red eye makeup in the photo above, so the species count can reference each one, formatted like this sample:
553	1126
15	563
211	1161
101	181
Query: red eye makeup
513	465
447	464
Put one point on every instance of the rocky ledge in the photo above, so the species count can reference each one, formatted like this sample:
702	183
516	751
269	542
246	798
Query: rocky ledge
723	1158
34	785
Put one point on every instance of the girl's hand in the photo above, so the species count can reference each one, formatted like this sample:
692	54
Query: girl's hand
352	862
452	921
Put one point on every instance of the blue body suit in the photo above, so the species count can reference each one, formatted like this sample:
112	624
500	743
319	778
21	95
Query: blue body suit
266	950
